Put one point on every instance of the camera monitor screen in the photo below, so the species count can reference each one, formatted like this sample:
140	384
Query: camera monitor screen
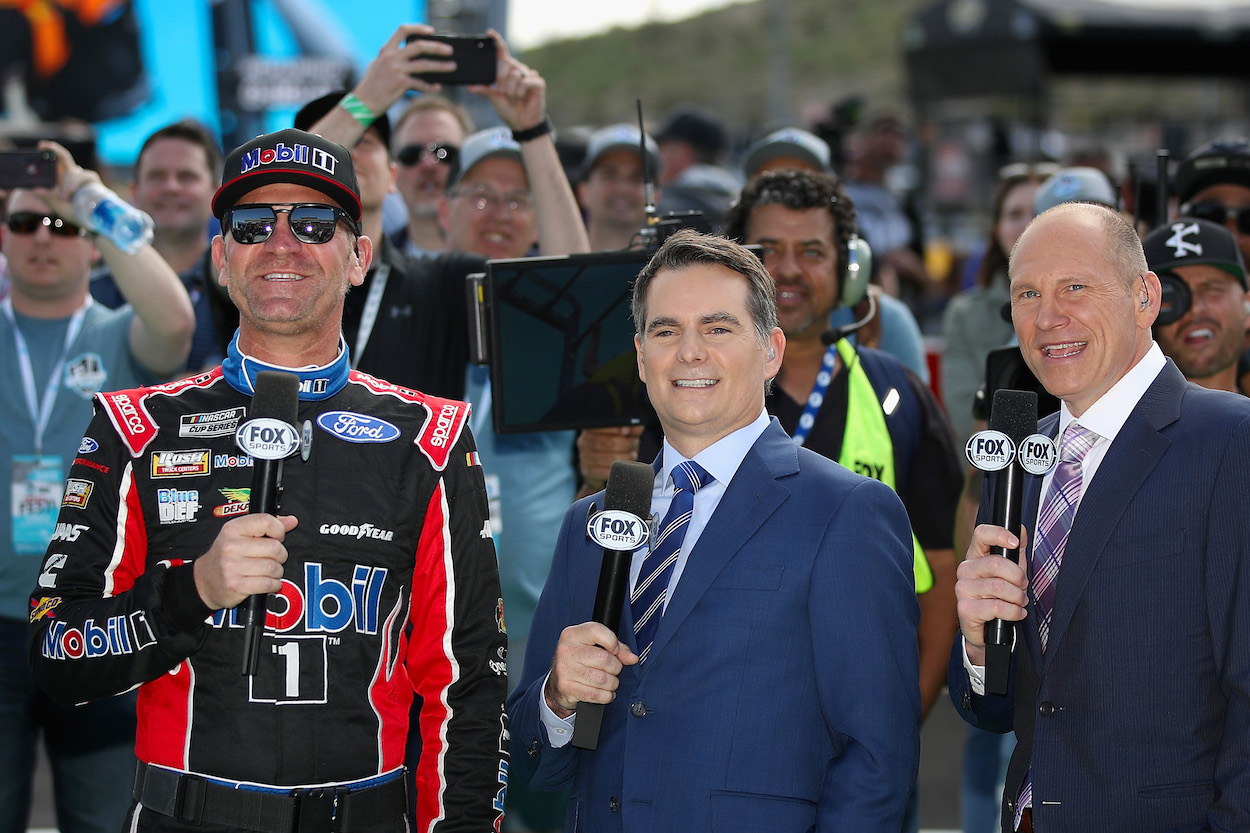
562	342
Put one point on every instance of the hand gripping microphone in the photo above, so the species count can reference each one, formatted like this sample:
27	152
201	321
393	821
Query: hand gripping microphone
620	529
267	436
1013	419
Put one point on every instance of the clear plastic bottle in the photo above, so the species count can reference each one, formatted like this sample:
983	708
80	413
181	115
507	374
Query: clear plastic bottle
104	212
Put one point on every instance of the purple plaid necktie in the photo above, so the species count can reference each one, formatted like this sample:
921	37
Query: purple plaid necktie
647	600
1054	523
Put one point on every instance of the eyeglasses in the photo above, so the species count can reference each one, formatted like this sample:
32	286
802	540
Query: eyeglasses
410	155
311	222
28	222
1214	212
482	198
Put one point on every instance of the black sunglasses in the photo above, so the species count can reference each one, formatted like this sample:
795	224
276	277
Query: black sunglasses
410	155
28	222
311	222
1214	212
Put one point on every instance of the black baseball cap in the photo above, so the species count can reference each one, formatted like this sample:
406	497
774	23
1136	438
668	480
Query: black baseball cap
293	156
1187	241
696	127
1221	161
315	110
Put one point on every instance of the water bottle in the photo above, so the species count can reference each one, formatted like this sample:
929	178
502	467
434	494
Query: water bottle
104	212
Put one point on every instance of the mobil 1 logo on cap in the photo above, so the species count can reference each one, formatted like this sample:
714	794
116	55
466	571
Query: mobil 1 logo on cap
990	450
1038	454
616	529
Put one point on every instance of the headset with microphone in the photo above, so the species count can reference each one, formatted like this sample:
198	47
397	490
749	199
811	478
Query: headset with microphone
854	280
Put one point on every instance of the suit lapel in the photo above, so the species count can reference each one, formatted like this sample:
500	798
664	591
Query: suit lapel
751	497
1131	458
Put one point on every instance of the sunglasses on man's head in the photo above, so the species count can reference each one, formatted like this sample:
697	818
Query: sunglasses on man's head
410	155
1214	212
28	222
312	222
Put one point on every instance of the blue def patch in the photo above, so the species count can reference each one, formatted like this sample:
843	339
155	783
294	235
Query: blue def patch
357	428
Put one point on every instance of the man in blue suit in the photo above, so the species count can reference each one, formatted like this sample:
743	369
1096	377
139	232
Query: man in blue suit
779	690
1131	670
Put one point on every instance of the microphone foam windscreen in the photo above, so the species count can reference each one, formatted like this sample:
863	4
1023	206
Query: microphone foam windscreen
1014	412
276	396
629	487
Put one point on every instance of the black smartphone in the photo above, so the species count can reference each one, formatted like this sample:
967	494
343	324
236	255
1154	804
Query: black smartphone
475	57
27	169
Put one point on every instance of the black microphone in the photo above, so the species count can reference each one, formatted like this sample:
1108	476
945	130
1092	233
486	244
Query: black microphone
620	529
1013	413
836	334
267	436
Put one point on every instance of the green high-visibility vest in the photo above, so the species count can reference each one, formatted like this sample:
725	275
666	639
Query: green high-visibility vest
866	445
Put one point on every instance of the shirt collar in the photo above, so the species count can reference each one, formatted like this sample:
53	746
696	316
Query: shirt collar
315	383
722	458
1108	413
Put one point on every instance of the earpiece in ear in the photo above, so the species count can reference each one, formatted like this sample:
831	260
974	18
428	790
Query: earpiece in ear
772	354
1145	301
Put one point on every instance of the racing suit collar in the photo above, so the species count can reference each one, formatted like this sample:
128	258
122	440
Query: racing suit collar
316	383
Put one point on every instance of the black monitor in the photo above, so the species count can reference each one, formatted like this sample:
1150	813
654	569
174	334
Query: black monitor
561	342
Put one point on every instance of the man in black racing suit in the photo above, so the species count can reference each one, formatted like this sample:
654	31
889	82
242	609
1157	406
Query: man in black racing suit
380	561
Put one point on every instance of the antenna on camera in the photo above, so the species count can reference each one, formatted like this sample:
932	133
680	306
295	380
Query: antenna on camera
648	181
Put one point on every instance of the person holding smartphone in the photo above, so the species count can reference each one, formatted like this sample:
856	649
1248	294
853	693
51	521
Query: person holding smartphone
57	349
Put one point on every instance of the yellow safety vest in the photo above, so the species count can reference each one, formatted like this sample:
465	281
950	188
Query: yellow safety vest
866	445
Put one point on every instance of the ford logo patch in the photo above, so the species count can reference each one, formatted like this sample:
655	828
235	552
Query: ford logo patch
357	428
88	446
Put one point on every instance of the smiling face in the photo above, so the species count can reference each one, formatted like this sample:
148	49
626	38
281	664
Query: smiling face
613	192
1078	314
175	185
283	287
800	253
489	212
701	357
1211	335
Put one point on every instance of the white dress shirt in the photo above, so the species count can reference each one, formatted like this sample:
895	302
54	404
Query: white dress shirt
721	459
1105	418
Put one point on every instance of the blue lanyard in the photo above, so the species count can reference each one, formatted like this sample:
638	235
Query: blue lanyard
817	397
41	411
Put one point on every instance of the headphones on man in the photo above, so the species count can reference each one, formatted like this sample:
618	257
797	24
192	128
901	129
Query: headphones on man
856	262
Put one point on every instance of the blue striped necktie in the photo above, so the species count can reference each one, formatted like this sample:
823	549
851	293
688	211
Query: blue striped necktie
647	599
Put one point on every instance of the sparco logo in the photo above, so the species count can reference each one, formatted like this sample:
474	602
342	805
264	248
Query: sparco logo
358	531
357	428
442	428
128	412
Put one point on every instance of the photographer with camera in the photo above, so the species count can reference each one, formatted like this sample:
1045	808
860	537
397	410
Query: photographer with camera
58	348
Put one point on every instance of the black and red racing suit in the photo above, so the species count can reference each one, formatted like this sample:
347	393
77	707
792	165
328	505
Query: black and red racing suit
390	593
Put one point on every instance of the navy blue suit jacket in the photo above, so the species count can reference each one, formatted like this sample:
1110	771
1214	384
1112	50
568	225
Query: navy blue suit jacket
781	691
1138	715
